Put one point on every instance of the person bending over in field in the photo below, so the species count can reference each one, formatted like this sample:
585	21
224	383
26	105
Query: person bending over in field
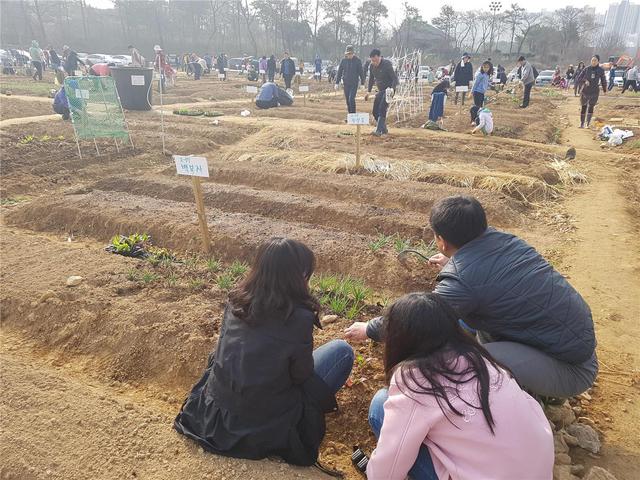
265	391
526	314
451	410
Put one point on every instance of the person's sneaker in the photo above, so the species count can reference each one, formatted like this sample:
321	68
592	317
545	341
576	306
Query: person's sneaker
581	125
376	133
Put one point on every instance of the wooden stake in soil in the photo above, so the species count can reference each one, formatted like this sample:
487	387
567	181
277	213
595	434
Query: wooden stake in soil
304	89
462	89
196	167
358	119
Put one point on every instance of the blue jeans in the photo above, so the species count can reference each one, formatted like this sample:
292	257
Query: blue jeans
350	92
423	468
380	107
333	362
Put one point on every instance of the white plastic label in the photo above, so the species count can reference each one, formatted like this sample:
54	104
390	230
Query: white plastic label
191	166
252	89
303	88
137	80
221	76
463	88
358	119
82	94
262	72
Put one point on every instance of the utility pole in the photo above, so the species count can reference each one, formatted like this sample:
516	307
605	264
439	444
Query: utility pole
494	7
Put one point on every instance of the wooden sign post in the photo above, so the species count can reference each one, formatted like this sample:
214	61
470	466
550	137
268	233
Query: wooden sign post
358	119
461	89
303	89
196	167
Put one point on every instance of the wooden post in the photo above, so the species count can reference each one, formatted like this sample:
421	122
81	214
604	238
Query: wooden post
304	95
358	163
202	219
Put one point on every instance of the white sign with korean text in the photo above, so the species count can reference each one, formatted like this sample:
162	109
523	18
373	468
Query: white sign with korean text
221	76
84	94
191	166
262	72
252	89
137	80
358	119
463	88
303	88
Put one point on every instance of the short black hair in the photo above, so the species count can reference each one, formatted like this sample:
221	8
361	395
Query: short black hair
597	56
375	53
458	219
521	58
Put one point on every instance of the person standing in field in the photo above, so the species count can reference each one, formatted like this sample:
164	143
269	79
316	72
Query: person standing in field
612	76
589	79
631	81
287	70
351	73
382	73
462	76
318	68
265	390
36	60
480	86
71	61
221	65
579	69
137	60
262	68
271	68
527	78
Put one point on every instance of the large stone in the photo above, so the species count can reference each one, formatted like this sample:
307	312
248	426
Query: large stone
587	437
559	445
570	439
74	280
328	319
561	415
563	472
562	459
599	473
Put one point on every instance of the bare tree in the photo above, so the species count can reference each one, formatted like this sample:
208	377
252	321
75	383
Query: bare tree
529	21
513	19
336	11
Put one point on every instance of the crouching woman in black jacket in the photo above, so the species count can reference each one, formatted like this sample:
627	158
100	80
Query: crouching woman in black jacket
265	390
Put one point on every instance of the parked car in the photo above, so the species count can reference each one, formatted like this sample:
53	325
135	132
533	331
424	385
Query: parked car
545	77
618	80
21	57
121	59
98	58
83	56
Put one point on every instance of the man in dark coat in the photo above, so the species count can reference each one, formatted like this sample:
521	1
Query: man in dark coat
271	68
287	69
71	61
221	65
463	75
352	75
526	313
382	73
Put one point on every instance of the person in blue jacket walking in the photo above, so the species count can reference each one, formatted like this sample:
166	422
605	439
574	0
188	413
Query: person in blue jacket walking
480	87
318	68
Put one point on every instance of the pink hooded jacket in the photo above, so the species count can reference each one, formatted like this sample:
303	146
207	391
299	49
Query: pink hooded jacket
464	448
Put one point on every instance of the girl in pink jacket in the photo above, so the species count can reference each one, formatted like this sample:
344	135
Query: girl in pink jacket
451	411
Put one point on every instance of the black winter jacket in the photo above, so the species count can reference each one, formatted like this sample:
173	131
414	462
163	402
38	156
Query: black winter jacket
463	74
259	395
350	71
383	75
500	285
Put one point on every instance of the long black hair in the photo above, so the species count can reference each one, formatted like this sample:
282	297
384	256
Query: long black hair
277	283
426	343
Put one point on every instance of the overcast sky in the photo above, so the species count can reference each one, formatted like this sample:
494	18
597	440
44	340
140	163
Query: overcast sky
431	8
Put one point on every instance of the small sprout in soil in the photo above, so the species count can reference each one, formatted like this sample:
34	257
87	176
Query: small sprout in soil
428	250
338	304
225	281
401	244
214	265
191	263
360	360
353	311
381	241
196	284
238	268
26	140
172	280
132	275
149	277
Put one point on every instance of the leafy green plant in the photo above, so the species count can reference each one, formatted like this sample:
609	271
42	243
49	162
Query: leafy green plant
149	277
343	295
172	280
214	265
132	275
225	281
360	361
238	268
401	244
27	139
338	304
196	283
353	311
379	242
127	245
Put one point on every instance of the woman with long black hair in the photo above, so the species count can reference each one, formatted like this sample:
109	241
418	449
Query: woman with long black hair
451	410
265	390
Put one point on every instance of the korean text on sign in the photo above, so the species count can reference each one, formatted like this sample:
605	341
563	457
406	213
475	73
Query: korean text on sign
191	166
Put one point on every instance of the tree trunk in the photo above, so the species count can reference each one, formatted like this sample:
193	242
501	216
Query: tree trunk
83	7
40	22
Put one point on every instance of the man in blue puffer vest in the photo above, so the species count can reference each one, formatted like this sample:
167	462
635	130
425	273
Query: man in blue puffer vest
527	315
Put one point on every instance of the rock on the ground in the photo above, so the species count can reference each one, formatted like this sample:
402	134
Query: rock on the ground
587	437
561	415
562	459
563	472
559	445
328	319
577	469
74	280
599	473
570	439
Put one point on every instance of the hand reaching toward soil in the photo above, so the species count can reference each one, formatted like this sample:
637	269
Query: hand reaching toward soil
439	260
356	332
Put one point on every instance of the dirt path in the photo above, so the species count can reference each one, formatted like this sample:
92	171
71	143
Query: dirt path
59	424
603	263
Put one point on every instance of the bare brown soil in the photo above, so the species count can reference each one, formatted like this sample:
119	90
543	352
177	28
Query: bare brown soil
131	339
14	108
